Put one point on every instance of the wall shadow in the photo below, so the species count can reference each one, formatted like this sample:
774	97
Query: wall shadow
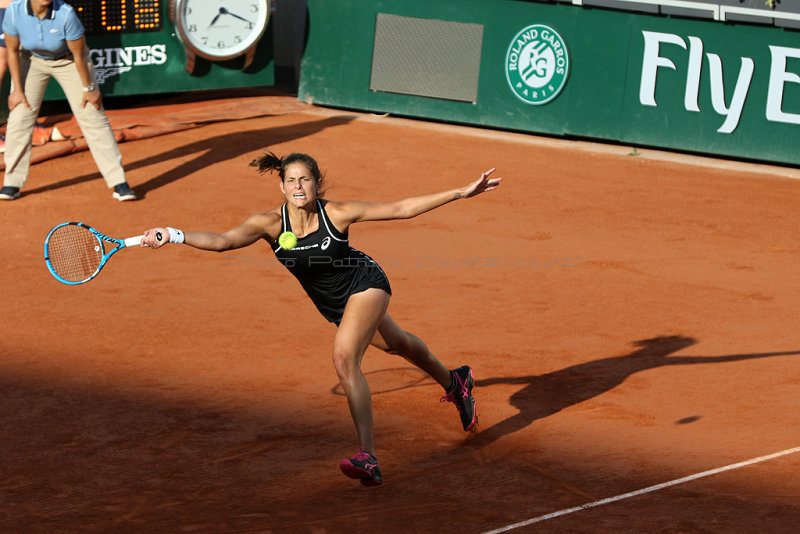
547	394
79	456
207	151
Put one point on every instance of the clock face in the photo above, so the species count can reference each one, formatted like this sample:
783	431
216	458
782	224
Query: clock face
221	29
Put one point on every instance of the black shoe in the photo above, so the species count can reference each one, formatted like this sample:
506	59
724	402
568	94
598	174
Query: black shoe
460	394
9	192
362	466
123	192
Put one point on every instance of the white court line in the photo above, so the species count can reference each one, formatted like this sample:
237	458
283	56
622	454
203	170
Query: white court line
645	490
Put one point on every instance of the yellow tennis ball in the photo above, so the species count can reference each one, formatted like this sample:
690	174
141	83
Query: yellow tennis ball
287	240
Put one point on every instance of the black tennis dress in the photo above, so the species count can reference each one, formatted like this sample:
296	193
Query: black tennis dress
327	267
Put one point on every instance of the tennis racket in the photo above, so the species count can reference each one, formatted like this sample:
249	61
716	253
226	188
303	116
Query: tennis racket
75	252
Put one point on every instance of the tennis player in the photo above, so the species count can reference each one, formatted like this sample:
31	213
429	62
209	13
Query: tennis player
347	286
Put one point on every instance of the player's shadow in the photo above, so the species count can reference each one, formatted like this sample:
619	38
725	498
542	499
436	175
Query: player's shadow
545	395
206	152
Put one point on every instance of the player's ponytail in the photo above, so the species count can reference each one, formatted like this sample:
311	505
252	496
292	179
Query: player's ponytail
269	162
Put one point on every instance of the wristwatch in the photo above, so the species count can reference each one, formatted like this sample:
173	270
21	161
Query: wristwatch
219	30
89	88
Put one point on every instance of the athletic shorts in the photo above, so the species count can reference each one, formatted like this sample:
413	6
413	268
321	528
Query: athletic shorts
332	308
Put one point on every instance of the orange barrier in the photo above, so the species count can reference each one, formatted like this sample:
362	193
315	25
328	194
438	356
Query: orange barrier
61	135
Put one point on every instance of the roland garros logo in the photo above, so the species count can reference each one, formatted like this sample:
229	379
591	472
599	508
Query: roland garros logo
537	64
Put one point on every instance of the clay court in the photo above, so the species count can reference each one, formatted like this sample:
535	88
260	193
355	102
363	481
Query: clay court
632	322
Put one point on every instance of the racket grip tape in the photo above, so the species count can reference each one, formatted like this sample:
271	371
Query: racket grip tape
133	241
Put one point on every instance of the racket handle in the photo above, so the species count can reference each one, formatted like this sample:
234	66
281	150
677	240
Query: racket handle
133	241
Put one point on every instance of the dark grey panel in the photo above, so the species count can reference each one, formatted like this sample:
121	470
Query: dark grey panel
426	57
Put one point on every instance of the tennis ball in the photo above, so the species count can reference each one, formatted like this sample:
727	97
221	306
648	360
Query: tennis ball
287	240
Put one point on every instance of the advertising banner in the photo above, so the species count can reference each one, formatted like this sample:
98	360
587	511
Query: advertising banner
559	69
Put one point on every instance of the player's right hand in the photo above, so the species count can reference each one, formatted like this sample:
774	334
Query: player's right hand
151	237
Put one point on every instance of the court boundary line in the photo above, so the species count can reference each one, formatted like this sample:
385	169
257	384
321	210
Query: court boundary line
643	491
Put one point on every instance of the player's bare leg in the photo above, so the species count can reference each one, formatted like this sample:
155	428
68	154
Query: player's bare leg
394	340
457	383
360	320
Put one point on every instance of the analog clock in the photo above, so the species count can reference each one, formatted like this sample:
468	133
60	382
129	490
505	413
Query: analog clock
219	30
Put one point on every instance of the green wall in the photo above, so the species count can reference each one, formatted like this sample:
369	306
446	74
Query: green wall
693	67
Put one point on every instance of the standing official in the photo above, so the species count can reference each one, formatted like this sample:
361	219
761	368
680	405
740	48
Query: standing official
45	39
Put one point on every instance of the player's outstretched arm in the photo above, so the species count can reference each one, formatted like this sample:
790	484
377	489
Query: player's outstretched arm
255	228
410	207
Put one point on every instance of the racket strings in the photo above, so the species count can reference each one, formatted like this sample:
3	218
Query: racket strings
75	253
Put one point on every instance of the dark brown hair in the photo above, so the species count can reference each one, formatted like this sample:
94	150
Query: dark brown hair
269	162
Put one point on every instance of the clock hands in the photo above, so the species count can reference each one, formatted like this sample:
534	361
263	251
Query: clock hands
215	19
224	11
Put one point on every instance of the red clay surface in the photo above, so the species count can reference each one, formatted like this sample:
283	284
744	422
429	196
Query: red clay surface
630	321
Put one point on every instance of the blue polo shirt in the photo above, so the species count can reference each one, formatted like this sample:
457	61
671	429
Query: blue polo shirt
46	38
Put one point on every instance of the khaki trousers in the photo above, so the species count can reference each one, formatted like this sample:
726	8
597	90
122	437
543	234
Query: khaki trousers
36	72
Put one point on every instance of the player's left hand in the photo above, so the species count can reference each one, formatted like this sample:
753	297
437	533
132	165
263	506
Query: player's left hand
482	184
